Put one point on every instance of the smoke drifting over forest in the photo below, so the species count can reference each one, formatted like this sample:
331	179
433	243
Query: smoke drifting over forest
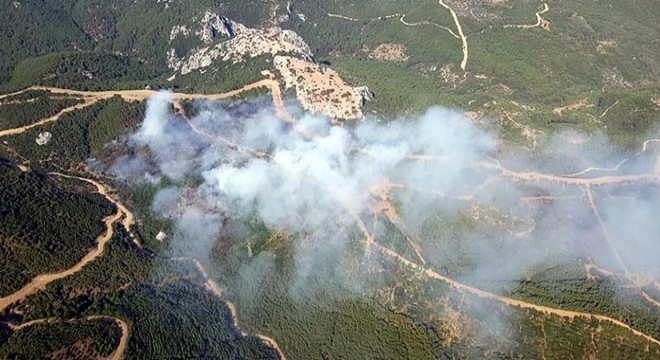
317	178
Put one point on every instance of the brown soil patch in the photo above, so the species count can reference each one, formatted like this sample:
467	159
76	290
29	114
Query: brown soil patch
389	52
582	104
605	45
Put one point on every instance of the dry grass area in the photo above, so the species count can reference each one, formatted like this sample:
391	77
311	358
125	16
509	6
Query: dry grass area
320	89
656	100
81	349
605	45
582	104
389	52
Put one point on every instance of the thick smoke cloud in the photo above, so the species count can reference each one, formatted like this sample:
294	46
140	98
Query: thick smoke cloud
307	182
316	178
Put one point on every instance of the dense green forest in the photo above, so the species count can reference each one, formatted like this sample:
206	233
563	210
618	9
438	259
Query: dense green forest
130	38
317	296
566	286
79	135
82	71
46	224
25	112
170	313
74	339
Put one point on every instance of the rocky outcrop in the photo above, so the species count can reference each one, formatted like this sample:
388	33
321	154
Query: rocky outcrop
365	93
209	29
246	43
44	138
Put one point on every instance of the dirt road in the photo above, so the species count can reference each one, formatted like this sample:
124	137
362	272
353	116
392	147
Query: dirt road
606	234
139	95
214	288
91	97
420	23
132	95
539	20
645	147
461	36
459	29
40	282
564	179
117	354
16	131
128	218
487	295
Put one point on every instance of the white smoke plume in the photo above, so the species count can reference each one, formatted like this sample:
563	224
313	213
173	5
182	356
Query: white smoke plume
317	178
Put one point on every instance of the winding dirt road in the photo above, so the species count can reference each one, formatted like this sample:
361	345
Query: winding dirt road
488	295
16	131
40	282
537	176
540	21
461	36
91	97
430	23
117	354
138	95
215	289
128	218
606	234
645	147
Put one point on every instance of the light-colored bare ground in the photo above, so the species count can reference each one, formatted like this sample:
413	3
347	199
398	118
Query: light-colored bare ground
319	89
494	164
526	131
606	234
601	180
389	52
381	193
181	111
582	104
636	280
459	29
461	35
608	109
605	45
645	147
40	282
13	94
401	19
338	16
92	97
128	218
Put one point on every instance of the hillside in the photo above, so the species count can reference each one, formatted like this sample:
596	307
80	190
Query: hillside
390	179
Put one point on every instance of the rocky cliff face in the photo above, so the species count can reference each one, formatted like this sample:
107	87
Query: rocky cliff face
318	88
240	43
